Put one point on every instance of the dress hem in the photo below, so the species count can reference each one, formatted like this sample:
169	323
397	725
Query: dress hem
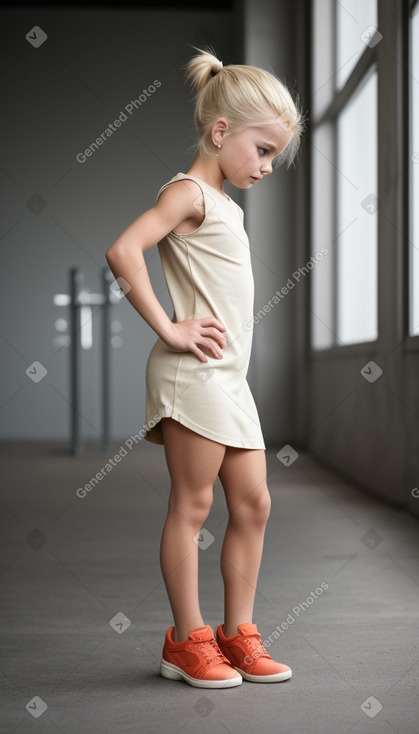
154	434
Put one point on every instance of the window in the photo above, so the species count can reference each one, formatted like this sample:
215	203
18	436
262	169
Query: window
356	189
344	173
355	20
323	312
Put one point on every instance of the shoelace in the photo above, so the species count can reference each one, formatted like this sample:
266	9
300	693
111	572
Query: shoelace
211	652
254	643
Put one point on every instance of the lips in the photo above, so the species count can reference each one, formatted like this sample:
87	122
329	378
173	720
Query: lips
254	178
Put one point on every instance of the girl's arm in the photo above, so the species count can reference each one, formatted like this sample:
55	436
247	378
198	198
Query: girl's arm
126	260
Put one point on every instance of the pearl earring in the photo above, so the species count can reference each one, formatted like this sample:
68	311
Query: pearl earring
216	155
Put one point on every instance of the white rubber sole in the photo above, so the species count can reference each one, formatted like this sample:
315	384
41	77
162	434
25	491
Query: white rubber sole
277	678
169	670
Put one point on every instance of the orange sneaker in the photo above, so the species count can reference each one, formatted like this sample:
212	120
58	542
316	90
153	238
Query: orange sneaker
198	660
248	655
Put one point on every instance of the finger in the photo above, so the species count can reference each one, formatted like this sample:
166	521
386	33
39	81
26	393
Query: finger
211	321
214	349
199	354
215	334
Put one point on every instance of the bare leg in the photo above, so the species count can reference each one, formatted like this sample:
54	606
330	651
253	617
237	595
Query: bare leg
193	462
243	476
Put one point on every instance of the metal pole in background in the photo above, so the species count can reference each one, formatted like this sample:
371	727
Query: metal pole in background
76	282
107	279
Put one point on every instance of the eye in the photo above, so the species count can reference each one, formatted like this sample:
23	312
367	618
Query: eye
264	150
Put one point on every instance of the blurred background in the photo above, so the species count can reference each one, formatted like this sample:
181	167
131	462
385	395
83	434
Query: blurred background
335	363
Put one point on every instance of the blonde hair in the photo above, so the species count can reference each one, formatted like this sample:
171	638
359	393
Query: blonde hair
245	95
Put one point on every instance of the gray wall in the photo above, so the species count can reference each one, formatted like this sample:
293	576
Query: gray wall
369	432
59	98
275	209
319	401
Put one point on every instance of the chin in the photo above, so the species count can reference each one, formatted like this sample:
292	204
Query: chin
244	185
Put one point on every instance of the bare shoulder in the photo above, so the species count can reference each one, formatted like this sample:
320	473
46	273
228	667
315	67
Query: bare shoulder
182	192
186	199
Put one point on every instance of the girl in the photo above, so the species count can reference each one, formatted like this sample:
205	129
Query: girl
196	387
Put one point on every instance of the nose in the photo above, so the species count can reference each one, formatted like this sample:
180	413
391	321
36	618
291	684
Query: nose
266	168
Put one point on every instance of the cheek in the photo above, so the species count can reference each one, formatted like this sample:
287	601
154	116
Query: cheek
248	153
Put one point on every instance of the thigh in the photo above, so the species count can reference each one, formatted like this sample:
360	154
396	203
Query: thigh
243	476
193	460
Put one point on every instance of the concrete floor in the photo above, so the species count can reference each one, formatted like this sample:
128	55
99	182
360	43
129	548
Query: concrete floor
71	564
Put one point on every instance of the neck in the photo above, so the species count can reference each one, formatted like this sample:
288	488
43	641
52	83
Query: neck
208	170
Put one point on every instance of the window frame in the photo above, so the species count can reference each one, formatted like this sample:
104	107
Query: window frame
411	342
364	66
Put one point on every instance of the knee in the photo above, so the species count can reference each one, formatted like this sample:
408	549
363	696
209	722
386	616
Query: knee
255	509
199	510
193	507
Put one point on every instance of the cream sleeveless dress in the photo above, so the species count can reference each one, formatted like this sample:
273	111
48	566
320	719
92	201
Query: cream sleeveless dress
208	273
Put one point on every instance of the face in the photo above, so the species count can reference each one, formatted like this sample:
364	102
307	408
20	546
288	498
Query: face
246	157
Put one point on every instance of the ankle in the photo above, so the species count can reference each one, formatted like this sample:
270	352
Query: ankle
180	634
230	630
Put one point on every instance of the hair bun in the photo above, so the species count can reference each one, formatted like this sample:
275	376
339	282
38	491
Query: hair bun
202	68
215	71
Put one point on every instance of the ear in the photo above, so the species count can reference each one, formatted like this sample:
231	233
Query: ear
218	130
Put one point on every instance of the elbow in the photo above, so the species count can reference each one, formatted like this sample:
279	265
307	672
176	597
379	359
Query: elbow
111	254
